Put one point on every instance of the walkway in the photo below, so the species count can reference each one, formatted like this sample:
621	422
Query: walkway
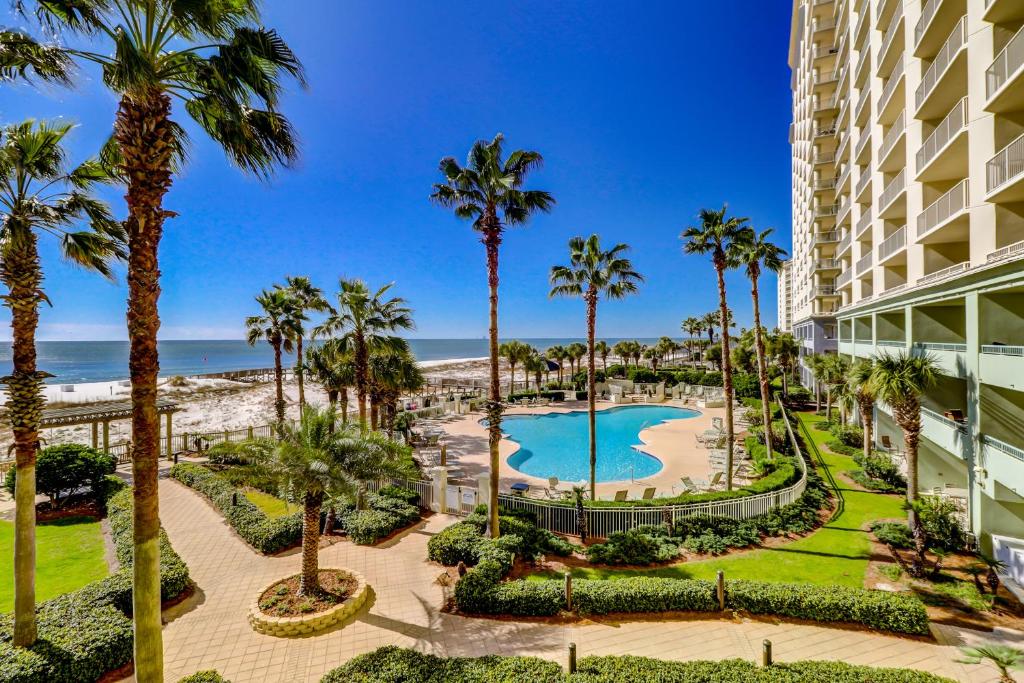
210	630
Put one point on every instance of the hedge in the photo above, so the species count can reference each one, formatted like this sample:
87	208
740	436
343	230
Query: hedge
208	676
385	515
84	634
388	664
264	534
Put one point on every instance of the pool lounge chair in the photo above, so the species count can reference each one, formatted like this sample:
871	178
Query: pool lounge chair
648	494
620	496
689	485
716	480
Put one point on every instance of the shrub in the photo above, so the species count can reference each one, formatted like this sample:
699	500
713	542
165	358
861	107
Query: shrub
848	435
556	395
389	664
882	469
616	370
941	524
746	385
636	546
400	493
799	396
264	534
385	515
208	676
642	594
837	446
706	543
643	375
65	468
893	534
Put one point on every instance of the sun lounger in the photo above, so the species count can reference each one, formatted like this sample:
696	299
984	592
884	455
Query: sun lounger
620	496
689	485
648	494
716	481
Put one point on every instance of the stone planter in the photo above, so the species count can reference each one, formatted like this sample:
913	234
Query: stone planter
305	624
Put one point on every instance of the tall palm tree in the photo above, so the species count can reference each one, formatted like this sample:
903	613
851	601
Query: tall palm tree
40	195
514	352
816	364
901	381
754	251
305	297
859	381
711	320
593	273
558	354
366	318
331	366
833	375
393	372
536	365
603	350
653	356
622	350
489	191
786	351
278	325
576	353
692	326
713	236
227	69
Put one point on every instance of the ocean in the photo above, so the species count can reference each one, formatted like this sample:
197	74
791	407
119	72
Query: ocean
103	361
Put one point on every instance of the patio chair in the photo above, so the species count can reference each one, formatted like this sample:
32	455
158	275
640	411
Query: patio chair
648	494
886	442
716	480
620	496
689	485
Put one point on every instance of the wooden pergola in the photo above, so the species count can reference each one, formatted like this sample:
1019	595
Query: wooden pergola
97	414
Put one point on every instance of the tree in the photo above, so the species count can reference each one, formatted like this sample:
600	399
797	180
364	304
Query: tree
40	195
393	372
514	352
653	355
228	70
786	351
366	319
859	381
711	320
576	353
714	236
280	323
833	369
692	326
753	251
489	191
536	365
901	381
332	367
603	350
305	297
816	364
1002	657
558	354
593	273
622	350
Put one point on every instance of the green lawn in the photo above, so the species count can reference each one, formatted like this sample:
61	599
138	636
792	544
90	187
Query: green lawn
272	506
838	553
69	554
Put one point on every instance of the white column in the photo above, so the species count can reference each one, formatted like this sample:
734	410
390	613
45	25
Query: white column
483	487
439	482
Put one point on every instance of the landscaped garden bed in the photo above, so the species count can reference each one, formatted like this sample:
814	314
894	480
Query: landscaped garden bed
280	610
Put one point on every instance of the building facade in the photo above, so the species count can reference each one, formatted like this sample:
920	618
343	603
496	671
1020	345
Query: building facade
908	202
785	322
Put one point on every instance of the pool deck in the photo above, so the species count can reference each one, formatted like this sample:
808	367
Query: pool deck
674	443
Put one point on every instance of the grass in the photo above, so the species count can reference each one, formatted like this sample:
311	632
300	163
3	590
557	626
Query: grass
272	506
836	554
69	554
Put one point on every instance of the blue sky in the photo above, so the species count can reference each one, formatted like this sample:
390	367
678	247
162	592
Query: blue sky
644	114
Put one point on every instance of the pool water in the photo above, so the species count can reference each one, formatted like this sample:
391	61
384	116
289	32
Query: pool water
557	444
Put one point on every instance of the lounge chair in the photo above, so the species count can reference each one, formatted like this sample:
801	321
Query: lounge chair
716	481
648	494
886	442
620	496
689	485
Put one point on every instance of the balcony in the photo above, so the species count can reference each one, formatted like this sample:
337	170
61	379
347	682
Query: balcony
894	199
1005	174
944	154
826	211
844	177
826	130
945	81
889	103
948	357
845	205
1002	366
1000	11
893	244
888	159
824	158
863	183
1003	78
822	25
949	209
844	244
1004	463
945	273
864	264
863	223
825	185
825	291
822	79
863	145
893	38
825	264
936	19
947	434
844	279
830	237
1007	253
824	104
863	108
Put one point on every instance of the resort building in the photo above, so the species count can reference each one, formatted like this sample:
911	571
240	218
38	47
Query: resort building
786	297
908	220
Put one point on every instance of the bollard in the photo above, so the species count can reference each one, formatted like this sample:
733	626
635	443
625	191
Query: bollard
572	658
175	458
568	591
721	590
766	653
234	498
444	455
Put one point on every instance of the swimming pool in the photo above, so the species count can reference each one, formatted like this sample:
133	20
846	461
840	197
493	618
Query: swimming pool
557	444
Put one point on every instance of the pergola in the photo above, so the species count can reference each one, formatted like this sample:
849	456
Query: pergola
98	414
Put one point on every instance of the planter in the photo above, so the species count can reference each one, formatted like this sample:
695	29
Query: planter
305	624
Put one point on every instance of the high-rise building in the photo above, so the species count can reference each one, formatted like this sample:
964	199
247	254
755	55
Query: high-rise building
908	229
786	297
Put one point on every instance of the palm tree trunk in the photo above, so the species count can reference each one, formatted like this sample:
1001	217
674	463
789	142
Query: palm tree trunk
726	370
362	377
146	139
374	413
332	401
278	382
20	272
785	382
762	367
344	405
868	418
299	375
591	403
309	581
492	240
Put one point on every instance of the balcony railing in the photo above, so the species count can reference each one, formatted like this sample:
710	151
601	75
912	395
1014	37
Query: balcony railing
955	269
845	278
893	243
845	243
826	103
826	211
1006	64
941	346
893	134
943	208
895	290
825	290
955	122
864	222
826	158
829	237
826	77
960	426
864	264
825	264
822	52
865	139
891	342
844	175
894	27
1012	451
1001	350
825	130
862	182
1006	166
896	186
864	101
927	14
824	24
1015	250
890	83
823	185
956	40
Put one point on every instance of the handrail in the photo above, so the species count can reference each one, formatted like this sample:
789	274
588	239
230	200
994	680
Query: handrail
957	39
893	190
1007	63
1006	165
1014	250
889	87
943	208
893	243
954	122
898	127
1000	445
954	269
1001	350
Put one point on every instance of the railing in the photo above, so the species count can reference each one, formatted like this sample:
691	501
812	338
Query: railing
927	14
955	269
955	122
6	466
824	264
890	83
891	343
826	130
1005	166
1000	350
865	139
824	24
894	27
829	237
893	134
1012	451
864	222
824	158
845	278
844	175
826	211
825	290
864	263
823	185
845	243
892	244
939	417
826	103
893	190
863	66
1010	251
1006	64
943	208
956	40
826	78
941	346
863	181
819	53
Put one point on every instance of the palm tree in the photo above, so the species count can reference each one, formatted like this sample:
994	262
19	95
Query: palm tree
227	68
280	323
653	356
366	318
711	320
833	374
622	350
393	372
816	364
1002	657
536	365
900	381
576	353
754	251
305	297
488	191
858	379
693	327
558	354
39	194
594	273
714	236
785	350
514	352
331	366
603	350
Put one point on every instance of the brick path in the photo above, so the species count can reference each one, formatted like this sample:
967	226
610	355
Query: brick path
210	631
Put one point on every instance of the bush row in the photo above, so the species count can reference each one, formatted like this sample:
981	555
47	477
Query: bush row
264	534
84	634
387	512
63	469
391	663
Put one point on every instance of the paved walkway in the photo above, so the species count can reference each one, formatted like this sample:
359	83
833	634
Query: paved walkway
210	631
